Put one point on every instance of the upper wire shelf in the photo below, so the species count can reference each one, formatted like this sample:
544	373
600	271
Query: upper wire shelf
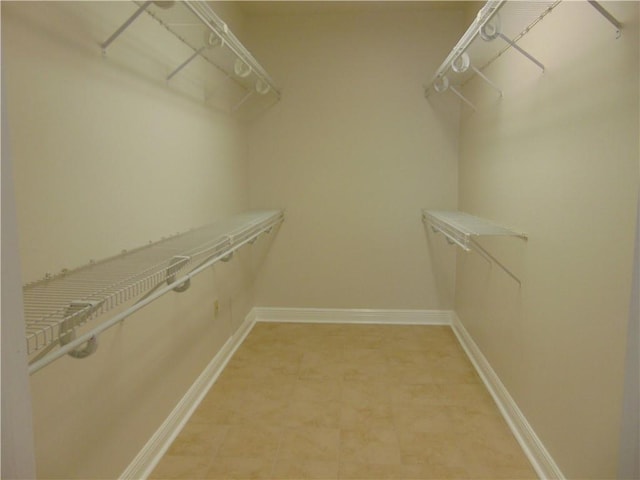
208	37
498	27
56	305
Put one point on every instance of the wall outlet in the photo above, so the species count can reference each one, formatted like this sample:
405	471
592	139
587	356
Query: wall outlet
216	308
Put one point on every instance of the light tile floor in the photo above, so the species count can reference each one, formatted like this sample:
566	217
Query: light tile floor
335	401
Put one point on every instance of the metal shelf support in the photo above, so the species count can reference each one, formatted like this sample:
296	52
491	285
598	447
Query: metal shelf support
125	25
610	18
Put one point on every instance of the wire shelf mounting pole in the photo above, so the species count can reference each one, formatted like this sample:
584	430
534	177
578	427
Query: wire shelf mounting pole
185	63
483	252
463	98
521	50
610	18
125	25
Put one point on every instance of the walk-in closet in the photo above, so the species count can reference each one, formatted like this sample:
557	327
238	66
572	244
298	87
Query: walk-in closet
320	239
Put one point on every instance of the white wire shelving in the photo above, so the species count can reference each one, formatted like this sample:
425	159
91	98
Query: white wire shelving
56	305
462	229
196	25
498	27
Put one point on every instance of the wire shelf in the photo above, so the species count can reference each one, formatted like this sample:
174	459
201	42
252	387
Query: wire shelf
498	27
56	305
460	227
196	25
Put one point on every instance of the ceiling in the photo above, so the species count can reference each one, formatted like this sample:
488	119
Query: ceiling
293	7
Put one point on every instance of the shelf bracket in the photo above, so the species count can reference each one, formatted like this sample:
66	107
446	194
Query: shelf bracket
610	18
462	63
491	30
442	85
450	238
242	101
77	313
522	51
175	265
489	82
463	98
124	26
483	252
185	63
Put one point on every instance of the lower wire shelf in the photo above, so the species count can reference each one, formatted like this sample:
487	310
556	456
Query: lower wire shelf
55	306
462	229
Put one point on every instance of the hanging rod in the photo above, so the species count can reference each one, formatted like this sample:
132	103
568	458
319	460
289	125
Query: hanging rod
463	230
56	305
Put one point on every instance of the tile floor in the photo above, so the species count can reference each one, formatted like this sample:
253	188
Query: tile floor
333	401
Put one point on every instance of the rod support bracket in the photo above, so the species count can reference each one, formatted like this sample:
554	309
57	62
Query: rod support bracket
76	314
175	265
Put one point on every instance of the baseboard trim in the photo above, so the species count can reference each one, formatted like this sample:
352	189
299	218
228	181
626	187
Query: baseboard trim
537	454
147	459
350	315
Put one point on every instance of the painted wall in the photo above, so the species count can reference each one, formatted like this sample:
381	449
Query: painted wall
557	157
354	152
108	157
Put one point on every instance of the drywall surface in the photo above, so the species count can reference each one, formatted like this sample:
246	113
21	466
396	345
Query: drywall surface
353	152
557	157
108	157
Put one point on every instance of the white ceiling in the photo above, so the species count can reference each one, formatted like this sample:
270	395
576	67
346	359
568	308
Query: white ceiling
293	7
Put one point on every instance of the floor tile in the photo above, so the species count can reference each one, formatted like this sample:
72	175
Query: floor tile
296	469
198	439
328	401
238	468
250	442
181	467
370	446
310	444
313	413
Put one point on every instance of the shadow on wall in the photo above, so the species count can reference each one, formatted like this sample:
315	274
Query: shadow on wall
441	256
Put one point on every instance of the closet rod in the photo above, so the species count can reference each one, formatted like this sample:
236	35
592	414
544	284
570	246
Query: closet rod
46	360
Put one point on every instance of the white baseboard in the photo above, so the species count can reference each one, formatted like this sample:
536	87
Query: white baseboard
350	315
147	459
537	454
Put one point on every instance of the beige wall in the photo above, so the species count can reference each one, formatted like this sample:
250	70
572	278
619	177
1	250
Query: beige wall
353	152
108	157
557	157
